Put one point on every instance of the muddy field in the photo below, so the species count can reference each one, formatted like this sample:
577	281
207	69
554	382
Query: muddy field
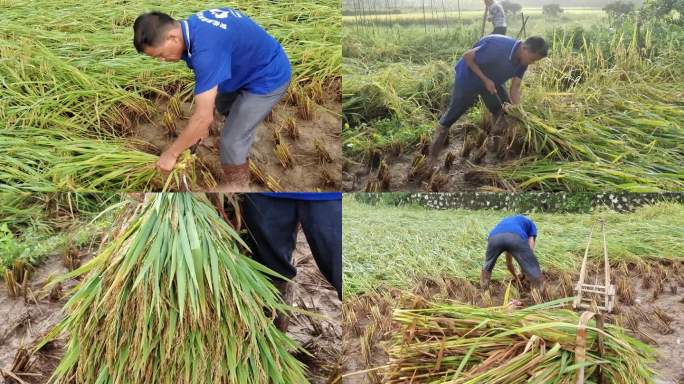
468	148
25	321
650	303
311	134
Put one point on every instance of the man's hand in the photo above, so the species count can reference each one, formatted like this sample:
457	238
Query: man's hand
490	86
166	161
196	129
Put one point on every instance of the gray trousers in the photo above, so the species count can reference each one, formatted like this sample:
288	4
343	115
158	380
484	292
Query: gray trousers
519	248
245	111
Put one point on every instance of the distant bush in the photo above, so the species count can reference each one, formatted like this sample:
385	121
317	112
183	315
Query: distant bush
511	7
552	10
619	10
671	11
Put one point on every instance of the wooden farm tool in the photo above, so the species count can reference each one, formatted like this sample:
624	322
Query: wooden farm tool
607	292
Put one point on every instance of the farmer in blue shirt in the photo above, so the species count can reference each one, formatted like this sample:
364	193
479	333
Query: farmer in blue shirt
239	69
272	220
517	236
482	72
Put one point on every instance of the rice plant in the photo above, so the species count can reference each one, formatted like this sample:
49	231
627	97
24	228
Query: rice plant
291	127
418	244
71	77
455	343
600	114
323	155
261	178
173	298
282	152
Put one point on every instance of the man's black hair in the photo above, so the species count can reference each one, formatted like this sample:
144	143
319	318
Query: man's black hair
537	45
149	28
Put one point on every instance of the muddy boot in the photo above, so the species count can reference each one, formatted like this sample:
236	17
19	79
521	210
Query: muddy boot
441	135
485	278
236	178
282	320
537	284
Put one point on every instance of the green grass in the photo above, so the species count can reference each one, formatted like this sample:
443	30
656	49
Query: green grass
35	226
70	76
395	247
537	23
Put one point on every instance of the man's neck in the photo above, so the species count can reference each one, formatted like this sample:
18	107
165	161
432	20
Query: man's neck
516	54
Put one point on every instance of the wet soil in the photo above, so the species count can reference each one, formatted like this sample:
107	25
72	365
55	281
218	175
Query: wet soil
466	152
367	326
307	173
320	335
26	320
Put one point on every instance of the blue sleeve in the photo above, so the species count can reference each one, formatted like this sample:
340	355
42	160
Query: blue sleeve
212	67
521	72
486	52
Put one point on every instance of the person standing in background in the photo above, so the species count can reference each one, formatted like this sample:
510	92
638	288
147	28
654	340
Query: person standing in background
497	17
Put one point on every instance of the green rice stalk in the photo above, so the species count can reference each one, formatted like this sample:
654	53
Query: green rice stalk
172	298
462	344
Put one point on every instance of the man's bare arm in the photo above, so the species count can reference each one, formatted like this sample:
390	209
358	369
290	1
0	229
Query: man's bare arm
197	128
515	90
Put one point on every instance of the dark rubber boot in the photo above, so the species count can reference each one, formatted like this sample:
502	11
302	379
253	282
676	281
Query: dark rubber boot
282	320
485	278
538	284
236	178
441	135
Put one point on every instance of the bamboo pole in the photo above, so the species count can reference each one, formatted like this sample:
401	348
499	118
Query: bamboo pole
484	21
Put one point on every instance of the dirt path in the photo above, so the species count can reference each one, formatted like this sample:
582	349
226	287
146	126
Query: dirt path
367	326
316	138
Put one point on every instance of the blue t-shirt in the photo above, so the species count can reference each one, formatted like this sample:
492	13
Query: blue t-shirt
305	195
495	57
225	47
518	224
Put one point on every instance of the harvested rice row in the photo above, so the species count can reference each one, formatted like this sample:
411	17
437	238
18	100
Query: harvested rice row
461	344
172	298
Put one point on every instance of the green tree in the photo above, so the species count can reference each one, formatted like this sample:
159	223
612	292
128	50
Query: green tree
619	9
552	10
511	7
671	11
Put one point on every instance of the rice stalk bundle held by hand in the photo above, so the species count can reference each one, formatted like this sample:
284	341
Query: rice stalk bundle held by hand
173	299
458	344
